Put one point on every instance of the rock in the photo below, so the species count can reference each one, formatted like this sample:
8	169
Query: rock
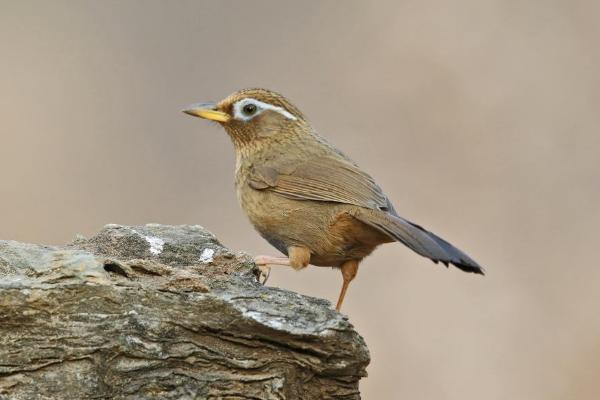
163	312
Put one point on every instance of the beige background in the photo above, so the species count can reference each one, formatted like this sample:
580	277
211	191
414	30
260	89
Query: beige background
480	119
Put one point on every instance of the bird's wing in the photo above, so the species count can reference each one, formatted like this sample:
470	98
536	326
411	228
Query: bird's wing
338	180
324	178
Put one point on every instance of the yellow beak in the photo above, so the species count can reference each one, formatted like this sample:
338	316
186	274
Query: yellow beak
207	111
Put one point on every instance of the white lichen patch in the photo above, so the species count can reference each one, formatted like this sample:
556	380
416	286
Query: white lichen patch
327	332
156	244
270	321
207	255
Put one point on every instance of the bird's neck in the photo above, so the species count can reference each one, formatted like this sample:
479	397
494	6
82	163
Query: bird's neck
268	147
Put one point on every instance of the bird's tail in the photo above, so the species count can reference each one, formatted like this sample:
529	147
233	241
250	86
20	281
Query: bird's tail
419	240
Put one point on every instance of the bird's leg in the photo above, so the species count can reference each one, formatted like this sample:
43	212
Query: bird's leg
263	262
349	269
268	260
299	257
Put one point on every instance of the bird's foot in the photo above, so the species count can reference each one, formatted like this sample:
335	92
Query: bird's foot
263	274
263	269
263	264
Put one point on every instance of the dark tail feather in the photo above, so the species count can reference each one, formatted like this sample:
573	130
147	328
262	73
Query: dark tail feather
419	240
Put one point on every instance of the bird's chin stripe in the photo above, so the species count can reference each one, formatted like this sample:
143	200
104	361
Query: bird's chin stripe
261	107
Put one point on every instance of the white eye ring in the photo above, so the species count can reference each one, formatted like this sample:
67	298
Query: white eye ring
238	109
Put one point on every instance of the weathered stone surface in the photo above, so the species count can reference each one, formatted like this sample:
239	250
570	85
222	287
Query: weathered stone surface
163	312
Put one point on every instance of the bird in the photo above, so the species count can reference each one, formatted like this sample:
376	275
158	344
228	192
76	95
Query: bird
307	198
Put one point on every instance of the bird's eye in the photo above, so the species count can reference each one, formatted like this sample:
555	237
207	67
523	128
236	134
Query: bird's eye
249	109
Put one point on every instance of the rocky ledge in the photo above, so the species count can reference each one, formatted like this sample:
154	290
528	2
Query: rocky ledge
163	312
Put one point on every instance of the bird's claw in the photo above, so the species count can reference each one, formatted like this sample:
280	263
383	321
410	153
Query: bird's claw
263	270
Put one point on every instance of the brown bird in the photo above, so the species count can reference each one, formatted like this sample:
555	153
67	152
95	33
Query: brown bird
308	199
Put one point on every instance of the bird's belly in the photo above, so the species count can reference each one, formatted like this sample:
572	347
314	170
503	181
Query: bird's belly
327	229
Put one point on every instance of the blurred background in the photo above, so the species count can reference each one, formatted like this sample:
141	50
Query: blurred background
480	119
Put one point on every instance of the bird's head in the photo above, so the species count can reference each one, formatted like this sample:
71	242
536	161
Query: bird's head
251	115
